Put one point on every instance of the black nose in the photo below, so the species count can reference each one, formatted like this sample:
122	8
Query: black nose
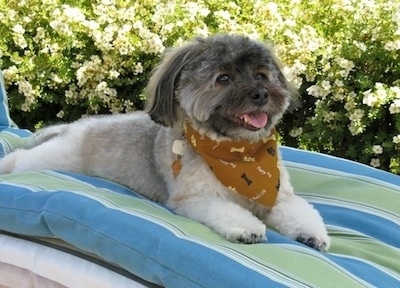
259	96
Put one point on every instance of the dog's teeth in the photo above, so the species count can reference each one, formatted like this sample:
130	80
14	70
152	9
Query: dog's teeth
245	119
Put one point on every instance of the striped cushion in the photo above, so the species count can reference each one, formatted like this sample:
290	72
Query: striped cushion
359	204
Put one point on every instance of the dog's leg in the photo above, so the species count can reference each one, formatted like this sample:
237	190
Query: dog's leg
295	218
56	153
196	194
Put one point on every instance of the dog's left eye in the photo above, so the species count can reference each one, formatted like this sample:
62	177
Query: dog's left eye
260	76
223	79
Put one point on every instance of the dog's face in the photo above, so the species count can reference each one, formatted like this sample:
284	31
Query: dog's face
228	86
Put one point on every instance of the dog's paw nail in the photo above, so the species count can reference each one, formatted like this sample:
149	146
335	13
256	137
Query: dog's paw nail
312	242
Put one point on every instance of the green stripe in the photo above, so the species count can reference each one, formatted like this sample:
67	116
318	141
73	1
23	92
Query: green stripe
352	243
299	263
317	181
10	141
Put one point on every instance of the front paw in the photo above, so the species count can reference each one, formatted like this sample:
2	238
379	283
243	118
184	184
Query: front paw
319	243
245	236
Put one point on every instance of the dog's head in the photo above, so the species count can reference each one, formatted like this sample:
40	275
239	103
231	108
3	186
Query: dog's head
226	85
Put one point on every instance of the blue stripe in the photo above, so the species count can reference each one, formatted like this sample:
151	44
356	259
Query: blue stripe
364	271
20	207
368	224
335	163
4	114
358	268
16	131
99	183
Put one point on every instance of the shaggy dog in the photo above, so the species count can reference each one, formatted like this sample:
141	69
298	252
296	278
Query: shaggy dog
205	147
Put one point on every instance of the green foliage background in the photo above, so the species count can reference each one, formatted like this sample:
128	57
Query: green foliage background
65	59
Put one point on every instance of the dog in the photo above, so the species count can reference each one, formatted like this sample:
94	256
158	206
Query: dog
212	108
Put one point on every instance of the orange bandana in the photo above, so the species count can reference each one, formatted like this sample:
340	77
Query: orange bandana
250	169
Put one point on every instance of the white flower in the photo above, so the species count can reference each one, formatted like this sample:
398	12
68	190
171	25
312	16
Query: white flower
375	162
107	2
129	106
298	67
344	63
395	107
10	73
101	86
110	92
92	25
374	99
40	34
392	45
202	31
24	87
356	128
124	50
272	7
20	41
315	91
347	66
25	107
339	83
18	29
396	139
295	132
61	27
327	67
357	115
380	92
55	78
350	103
74	14
312	45
60	114
114	74
329	116
326	85
377	149
223	14
396	91
360	46
138	69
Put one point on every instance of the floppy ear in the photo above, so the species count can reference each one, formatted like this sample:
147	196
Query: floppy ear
161	103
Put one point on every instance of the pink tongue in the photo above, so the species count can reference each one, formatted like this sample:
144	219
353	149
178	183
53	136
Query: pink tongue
256	120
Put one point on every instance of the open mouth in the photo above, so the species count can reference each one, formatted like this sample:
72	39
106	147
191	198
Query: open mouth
252	121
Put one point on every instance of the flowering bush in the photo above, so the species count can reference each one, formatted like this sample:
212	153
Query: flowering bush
64	59
349	82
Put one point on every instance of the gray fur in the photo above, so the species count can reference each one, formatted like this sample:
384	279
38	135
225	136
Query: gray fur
184	85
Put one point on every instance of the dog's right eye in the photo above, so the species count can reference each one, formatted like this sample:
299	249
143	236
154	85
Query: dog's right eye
223	79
